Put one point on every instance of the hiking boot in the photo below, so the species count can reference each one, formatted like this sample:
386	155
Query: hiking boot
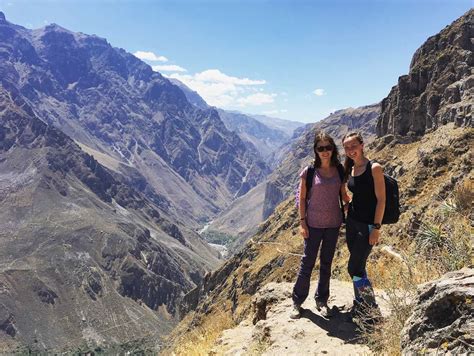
296	312
323	309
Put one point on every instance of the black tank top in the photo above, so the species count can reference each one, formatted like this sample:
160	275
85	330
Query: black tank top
364	200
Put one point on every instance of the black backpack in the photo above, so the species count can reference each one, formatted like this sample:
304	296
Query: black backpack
392	199
309	184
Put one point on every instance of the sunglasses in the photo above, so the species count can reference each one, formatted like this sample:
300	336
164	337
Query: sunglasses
324	148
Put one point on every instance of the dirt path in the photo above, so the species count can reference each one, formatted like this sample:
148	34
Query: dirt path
310	335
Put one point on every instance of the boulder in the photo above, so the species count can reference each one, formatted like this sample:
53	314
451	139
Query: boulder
443	317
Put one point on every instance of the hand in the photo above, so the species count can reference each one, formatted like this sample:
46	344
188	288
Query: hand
374	237
304	231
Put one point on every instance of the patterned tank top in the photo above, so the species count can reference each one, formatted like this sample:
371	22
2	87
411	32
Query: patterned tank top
323	210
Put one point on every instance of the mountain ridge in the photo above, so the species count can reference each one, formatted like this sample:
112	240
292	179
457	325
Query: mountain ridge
110	101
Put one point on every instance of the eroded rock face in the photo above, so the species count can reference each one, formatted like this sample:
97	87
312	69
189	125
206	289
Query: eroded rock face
439	86
443	318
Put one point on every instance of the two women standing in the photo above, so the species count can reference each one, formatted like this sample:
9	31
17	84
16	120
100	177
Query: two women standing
321	218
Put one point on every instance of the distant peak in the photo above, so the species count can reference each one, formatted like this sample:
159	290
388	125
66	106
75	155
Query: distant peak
52	26
55	27
2	17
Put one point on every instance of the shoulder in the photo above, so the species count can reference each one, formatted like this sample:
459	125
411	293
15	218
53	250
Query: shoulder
377	168
304	172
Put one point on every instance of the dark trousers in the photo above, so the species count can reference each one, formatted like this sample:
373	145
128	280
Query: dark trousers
327	238
357	237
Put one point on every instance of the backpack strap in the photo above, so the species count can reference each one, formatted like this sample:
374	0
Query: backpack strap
309	178
340	170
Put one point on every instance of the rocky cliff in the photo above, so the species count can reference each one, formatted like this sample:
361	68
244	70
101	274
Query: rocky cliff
439	87
443	316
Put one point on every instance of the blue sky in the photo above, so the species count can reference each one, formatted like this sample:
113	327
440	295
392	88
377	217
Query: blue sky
298	60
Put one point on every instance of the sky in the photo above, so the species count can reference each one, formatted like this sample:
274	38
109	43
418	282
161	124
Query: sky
296	60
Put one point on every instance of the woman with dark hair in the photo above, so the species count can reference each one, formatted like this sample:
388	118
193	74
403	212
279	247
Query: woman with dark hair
365	180
321	218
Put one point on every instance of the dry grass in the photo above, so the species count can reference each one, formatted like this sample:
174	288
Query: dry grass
202	339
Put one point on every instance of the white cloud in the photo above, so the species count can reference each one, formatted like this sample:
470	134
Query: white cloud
216	76
274	112
256	99
168	68
319	92
225	91
150	56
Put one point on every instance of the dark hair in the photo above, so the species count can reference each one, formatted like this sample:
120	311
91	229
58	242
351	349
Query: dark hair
322	136
349	162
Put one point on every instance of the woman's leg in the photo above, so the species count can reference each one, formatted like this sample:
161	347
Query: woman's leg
357	236
328	248
311	247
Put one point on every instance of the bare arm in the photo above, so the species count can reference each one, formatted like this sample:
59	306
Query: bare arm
302	204
379	186
345	197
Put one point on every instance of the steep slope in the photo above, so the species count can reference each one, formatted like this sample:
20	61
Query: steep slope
137	121
439	87
241	219
86	260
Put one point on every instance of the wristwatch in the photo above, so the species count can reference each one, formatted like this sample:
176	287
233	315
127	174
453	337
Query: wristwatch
377	226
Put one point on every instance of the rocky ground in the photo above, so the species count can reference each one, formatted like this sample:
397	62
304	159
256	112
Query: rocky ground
312	334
